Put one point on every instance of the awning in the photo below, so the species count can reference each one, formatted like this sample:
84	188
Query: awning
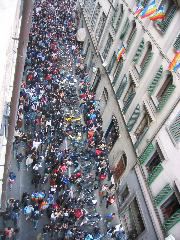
81	34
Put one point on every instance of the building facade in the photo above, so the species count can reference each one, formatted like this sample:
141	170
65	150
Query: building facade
139	102
10	21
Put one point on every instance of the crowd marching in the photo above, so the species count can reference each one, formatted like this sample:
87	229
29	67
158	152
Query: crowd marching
60	128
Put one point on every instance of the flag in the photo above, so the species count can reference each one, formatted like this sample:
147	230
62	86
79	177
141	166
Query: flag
138	10
149	10
158	15
120	53
175	64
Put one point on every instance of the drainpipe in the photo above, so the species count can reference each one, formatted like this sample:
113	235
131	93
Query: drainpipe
20	62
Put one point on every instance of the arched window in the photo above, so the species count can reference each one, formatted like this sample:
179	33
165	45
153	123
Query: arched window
120	168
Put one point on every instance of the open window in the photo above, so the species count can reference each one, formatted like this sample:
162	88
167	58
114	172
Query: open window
168	82
155	160
112	133
170	206
120	168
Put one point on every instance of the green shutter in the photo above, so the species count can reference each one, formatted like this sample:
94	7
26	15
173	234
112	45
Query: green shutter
173	220
146	63
111	64
165	23
128	102
147	153
139	52
118	21
177	43
175	129
130	41
121	87
133	118
165	97
125	29
163	194
154	174
155	81
118	72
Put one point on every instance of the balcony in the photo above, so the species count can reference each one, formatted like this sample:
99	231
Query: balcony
154	174
173	220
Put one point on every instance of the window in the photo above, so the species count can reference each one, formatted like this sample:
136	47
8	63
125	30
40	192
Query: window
164	87
131	36
120	168
112	133
117	24
125	194
103	100
125	29
95	15
170	206
107	47
174	129
177	43
118	71
129	95
142	127
155	160
96	81
112	62
170	9
144	62
132	221
100	26
121	87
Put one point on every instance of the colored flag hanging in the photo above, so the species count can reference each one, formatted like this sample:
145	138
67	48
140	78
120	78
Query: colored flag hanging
138	10
158	15
175	64
120	53
149	10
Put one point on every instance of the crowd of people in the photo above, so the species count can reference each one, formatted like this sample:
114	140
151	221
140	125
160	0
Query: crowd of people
60	127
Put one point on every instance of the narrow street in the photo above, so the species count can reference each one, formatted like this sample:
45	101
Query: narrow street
63	182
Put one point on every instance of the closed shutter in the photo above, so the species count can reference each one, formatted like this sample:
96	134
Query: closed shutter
130	40
128	101
121	87
120	66
125	29
175	129
165	97
111	64
155	81
139	52
177	43
146	63
169	16
133	118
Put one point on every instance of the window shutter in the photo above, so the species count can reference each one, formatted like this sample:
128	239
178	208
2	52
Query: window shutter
139	52
175	129
133	118
165	97
128	102
111	64
118	21
165	23
121	87
177	43
125	29
118	72
144	67
155	81
130	40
